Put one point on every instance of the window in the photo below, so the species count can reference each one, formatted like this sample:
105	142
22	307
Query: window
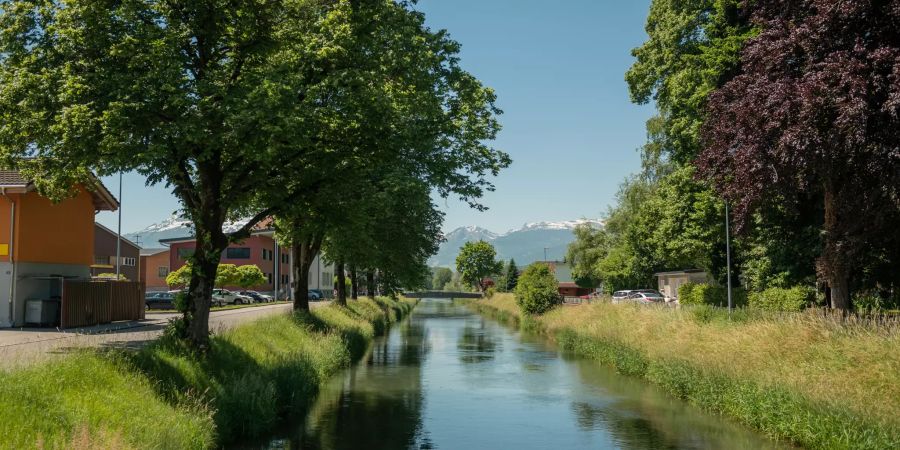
129	261
284	259
101	260
237	253
269	277
162	271
185	253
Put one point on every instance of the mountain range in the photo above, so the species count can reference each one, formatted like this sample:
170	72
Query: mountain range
531	242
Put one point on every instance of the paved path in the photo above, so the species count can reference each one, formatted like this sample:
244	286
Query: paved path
20	346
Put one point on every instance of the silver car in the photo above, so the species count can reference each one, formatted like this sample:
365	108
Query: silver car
619	296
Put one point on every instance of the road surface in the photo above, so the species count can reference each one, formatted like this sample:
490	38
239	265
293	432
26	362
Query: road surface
21	346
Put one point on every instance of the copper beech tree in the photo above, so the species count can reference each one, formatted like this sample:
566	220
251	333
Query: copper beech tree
815	111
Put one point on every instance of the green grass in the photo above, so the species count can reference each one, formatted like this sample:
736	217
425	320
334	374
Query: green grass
816	381
164	396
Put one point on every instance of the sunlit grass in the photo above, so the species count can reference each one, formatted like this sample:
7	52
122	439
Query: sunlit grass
817	380
165	396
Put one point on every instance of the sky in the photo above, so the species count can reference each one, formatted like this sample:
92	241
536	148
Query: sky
568	123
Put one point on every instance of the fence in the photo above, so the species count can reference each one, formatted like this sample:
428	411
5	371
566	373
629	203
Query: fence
86	303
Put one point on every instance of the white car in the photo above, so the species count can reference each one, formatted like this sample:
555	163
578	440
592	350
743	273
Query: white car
619	296
222	297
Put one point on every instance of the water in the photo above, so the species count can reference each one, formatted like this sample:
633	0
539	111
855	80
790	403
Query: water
449	379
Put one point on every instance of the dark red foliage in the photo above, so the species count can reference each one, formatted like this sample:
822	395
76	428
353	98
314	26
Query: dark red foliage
815	110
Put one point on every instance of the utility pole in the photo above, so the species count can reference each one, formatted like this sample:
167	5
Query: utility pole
119	233
728	257
545	254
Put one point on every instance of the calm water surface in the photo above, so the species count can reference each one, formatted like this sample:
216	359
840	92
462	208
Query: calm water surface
447	378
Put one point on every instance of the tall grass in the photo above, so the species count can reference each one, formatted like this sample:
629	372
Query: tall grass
815	380
165	396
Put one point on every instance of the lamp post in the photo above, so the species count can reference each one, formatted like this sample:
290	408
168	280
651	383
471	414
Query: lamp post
545	254
728	257
119	233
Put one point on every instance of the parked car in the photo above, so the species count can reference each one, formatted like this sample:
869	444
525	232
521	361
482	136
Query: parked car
221	297
159	300
646	298
257	297
649	291
619	296
316	294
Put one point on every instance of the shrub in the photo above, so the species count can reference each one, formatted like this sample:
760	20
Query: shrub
708	294
868	302
780	299
489	292
537	291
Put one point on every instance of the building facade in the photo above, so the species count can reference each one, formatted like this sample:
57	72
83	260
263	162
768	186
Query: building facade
259	249
670	282
105	254
43	242
154	267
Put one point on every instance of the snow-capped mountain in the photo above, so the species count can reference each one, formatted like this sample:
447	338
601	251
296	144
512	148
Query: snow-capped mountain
526	244
173	227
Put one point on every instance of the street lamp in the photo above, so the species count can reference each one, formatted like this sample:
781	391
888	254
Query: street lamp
119	233
728	257
545	254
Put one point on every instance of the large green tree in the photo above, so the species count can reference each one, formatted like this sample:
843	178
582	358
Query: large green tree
229	105
476	262
442	277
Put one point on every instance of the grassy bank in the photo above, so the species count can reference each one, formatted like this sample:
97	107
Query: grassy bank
165	397
799	377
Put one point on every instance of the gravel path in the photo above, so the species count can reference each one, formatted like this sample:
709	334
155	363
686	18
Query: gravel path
21	346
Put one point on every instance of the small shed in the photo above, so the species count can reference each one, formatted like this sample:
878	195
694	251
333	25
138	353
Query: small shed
669	282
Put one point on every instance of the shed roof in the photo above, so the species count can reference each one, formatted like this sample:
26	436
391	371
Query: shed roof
153	251
103	199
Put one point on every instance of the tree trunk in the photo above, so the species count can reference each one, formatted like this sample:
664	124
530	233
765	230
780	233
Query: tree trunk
354	283
204	265
370	283
302	261
833	263
341	284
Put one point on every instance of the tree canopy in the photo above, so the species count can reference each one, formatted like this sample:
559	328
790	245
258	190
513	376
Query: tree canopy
476	262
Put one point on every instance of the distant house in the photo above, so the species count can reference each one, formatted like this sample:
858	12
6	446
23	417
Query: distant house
669	282
154	267
105	254
567	286
42	242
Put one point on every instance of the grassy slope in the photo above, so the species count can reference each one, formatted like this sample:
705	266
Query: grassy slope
164	397
798	377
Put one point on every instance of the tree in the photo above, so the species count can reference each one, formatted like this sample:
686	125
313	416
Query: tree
476	262
442	277
814	113
243	109
693	47
590	246
250	276
512	276
538	290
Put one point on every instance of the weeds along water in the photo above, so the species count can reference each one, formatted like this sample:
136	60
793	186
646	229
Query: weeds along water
165	396
818	381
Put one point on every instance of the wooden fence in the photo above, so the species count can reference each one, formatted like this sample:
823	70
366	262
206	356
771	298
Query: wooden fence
86	303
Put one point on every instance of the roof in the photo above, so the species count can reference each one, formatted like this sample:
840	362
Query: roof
679	272
103	199
569	284
124	240
153	251
12	178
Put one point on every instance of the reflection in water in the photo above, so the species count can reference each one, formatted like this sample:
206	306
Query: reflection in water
476	345
449	379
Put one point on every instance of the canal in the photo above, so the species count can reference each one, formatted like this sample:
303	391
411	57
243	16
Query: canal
447	378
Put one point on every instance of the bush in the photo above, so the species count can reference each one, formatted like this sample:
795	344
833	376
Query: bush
868	302
708	294
780	299
537	291
490	292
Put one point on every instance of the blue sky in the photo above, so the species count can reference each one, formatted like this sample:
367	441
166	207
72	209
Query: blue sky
558	69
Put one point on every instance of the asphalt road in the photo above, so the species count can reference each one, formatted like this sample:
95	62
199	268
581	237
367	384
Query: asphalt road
22	346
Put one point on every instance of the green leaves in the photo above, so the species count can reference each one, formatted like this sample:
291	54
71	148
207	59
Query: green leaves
477	261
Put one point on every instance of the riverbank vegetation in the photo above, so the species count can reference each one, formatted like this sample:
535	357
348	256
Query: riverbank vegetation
807	165
167	396
816	381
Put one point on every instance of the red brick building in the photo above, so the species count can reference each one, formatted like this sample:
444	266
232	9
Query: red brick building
259	249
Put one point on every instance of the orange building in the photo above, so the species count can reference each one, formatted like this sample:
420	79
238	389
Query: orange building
42	242
155	268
